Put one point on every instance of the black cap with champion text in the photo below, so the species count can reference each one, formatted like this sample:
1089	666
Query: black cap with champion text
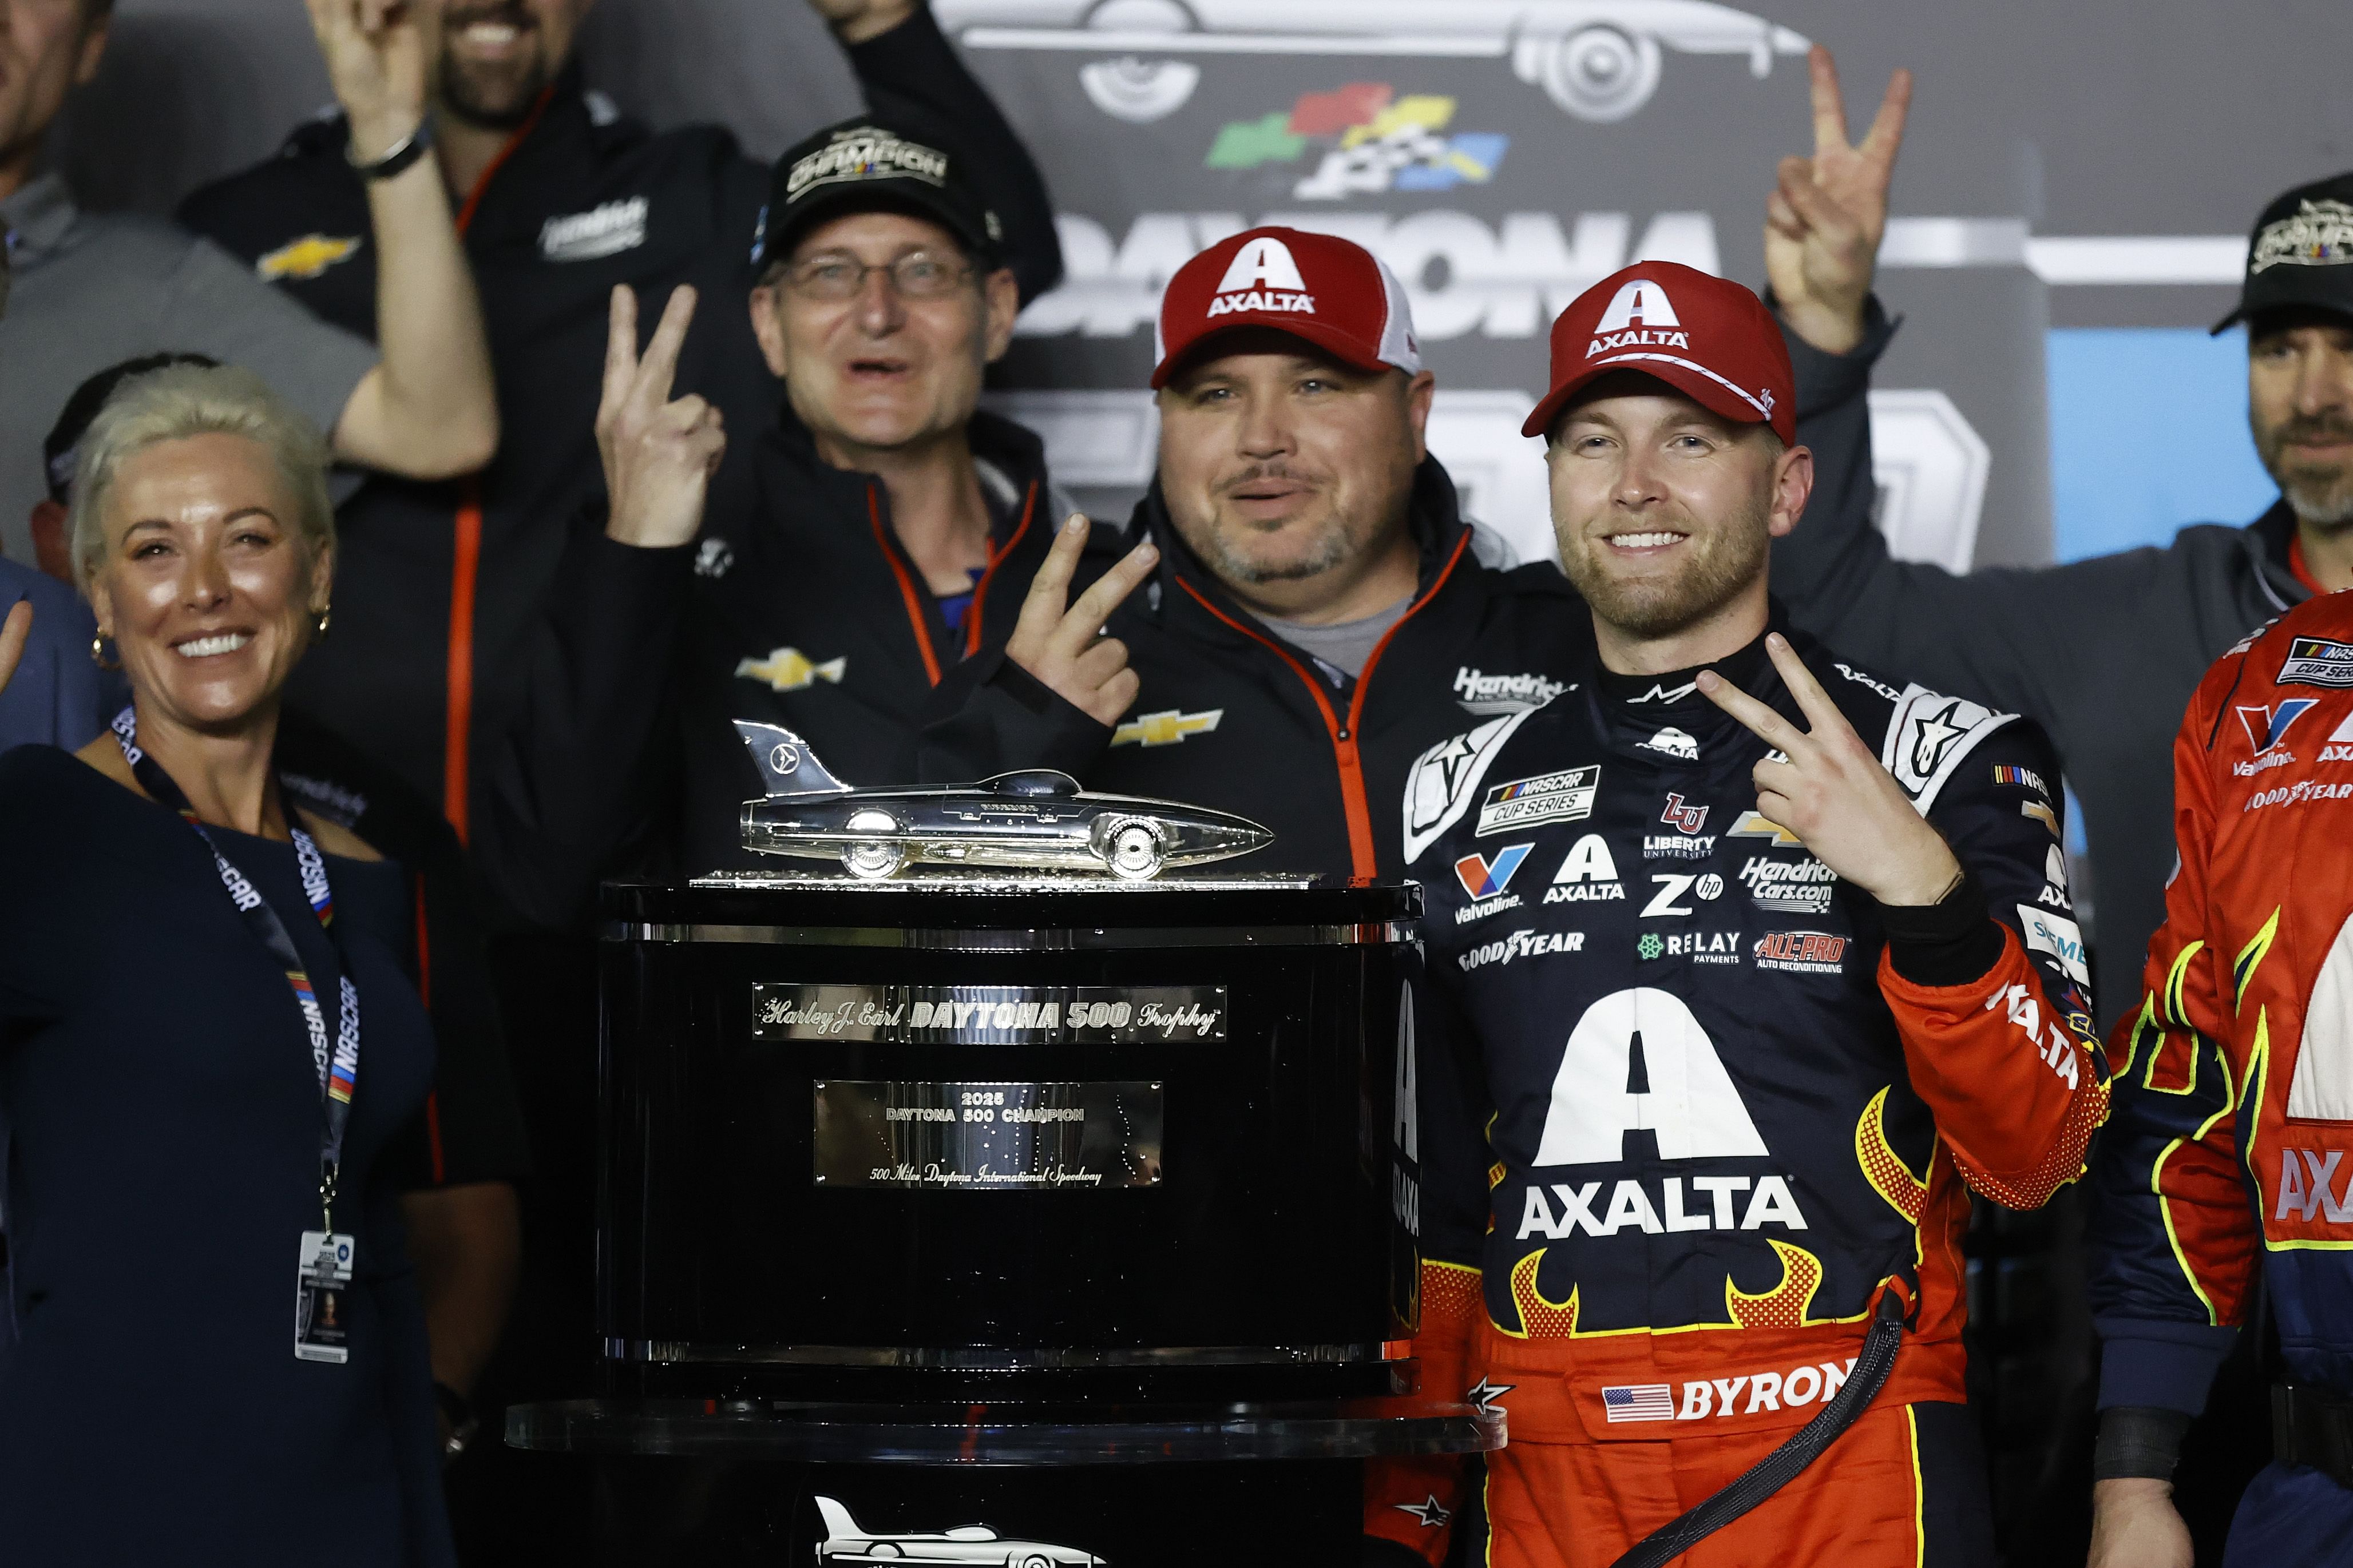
862	166
2301	254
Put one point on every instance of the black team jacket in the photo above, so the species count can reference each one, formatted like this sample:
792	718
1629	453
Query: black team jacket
442	588
1232	717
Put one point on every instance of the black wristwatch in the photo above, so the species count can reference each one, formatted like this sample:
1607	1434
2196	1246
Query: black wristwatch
405	151
457	1410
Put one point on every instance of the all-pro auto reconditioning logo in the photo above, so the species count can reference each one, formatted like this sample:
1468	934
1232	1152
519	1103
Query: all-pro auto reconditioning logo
1364	139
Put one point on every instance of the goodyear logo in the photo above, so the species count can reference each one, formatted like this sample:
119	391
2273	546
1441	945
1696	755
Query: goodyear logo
1368	139
308	256
789	669
1164	728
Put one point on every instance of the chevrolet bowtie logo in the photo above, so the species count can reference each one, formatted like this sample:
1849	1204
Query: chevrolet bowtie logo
1757	824
789	669
1164	728
306	258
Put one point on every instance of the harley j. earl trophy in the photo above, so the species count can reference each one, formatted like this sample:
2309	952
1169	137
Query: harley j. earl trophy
1005	1201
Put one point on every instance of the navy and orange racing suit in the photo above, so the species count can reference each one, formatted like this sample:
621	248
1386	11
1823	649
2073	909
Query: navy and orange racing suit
1693	1112
2234	1076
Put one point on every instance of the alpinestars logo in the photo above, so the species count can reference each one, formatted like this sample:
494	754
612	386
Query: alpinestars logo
1672	742
1639	300
1262	276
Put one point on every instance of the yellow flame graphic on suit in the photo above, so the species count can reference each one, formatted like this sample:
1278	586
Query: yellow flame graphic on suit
1789	1303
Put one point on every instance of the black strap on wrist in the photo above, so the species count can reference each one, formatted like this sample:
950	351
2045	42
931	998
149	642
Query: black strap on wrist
404	153
2139	1442
1949	942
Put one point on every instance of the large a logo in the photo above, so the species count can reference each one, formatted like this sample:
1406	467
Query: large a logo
1600	60
1639	315
845	1541
1587	874
1263	263
1689	1104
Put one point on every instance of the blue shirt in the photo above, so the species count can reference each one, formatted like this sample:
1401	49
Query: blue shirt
58	696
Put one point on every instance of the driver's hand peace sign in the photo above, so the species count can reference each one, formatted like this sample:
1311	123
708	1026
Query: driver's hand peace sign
1832	793
659	455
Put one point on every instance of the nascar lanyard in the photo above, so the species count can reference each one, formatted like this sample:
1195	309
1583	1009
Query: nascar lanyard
339	1070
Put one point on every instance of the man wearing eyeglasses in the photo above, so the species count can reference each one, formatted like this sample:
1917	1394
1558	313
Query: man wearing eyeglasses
884	528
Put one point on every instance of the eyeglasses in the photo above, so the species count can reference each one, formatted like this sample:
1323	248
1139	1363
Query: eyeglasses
836	279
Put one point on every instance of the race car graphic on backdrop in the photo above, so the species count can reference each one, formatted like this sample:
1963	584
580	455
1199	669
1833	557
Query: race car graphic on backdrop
845	1541
1600	60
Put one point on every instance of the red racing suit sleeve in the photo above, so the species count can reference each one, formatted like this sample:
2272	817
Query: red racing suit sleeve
1996	1025
1413	1503
2172	1240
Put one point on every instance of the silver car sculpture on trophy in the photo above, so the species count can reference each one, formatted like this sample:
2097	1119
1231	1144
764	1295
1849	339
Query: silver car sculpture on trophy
1033	820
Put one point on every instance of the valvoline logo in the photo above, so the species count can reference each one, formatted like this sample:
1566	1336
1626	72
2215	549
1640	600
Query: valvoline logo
1484	878
2267	727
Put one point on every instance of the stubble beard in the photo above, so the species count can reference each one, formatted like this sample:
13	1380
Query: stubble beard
2320	495
1712	578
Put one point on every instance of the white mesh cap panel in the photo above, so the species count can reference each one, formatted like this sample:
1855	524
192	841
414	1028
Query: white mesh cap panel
1399	344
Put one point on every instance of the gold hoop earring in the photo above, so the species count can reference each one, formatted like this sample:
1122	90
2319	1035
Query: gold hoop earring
319	624
98	655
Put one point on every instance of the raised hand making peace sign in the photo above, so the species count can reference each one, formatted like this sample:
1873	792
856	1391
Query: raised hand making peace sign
1062	642
659	455
1824	221
1832	793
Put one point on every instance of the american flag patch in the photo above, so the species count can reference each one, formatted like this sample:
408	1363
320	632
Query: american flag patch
1639	1402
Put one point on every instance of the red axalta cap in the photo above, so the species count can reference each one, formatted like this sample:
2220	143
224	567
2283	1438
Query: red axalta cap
1331	291
1708	337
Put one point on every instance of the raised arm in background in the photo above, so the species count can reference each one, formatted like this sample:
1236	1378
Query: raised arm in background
2008	636
430	410
577	772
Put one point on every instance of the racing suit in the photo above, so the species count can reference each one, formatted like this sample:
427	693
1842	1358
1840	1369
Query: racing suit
1692	1113
2234	1076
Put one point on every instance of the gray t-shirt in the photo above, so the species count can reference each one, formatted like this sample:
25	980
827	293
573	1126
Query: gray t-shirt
1342	645
93	290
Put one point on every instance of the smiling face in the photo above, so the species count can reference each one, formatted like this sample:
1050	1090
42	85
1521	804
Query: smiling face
1287	472
205	585
1665	512
46	49
887	368
492	58
2300	406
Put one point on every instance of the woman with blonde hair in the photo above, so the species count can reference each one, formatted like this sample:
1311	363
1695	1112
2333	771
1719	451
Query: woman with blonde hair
206	1039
